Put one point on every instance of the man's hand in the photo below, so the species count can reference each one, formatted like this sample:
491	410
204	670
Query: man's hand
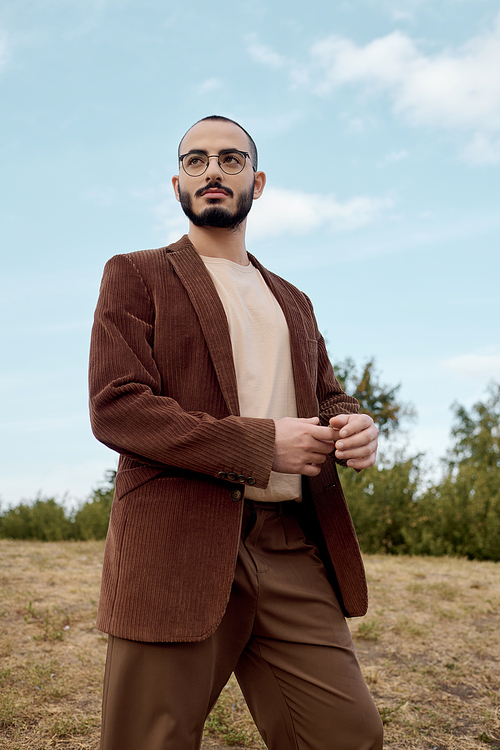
301	445
356	439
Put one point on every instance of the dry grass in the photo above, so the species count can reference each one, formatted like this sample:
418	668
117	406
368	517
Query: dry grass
429	649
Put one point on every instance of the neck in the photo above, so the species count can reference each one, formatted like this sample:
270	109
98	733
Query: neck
220	243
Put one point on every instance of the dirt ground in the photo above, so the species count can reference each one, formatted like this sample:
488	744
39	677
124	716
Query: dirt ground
429	649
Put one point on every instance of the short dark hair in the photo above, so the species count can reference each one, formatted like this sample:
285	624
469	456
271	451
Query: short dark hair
220	118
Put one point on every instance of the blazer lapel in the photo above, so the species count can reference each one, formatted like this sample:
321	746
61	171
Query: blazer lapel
300	343
210	311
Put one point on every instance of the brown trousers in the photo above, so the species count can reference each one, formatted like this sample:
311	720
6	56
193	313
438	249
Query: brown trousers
283	635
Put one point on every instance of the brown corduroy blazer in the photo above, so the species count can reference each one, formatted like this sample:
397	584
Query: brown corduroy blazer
163	394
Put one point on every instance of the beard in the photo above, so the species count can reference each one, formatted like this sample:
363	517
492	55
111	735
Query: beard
215	215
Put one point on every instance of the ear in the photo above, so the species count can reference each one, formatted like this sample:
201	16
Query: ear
175	185
260	181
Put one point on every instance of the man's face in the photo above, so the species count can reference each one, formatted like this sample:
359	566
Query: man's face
216	199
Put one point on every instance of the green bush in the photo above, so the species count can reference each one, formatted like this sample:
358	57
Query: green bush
48	521
391	509
92	519
16	522
459	515
382	504
45	519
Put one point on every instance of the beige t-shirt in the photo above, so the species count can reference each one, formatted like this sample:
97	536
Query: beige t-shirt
261	351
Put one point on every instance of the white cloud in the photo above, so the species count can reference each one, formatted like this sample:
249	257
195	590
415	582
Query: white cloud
381	62
283	211
474	366
455	89
263	54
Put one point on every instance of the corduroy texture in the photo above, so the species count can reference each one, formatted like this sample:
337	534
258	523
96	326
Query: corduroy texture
163	394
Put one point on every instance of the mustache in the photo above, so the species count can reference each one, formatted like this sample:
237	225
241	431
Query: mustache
213	186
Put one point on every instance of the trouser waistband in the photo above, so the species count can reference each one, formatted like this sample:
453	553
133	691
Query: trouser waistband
285	506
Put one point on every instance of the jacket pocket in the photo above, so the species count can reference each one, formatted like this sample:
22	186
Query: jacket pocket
128	480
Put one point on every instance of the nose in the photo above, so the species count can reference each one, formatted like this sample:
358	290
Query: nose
213	170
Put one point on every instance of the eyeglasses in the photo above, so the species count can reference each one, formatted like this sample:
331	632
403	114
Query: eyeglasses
231	161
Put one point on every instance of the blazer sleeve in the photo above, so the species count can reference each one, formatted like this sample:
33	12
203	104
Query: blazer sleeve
128	411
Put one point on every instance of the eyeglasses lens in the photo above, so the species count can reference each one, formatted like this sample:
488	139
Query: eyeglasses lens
231	162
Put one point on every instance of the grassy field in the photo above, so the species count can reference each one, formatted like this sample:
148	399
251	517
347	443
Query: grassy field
429	648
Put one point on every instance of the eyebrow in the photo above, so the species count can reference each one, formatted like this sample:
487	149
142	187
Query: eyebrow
202	151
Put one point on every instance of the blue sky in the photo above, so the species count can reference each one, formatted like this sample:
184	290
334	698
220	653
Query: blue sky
378	125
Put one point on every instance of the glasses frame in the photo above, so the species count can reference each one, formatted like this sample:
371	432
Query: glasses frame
216	156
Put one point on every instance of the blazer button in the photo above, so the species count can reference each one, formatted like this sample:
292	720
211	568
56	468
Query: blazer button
232	476
242	479
236	496
251	480
222	475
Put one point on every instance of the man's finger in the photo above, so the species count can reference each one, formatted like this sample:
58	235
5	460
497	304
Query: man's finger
352	423
357	452
357	440
363	463
311	470
323	433
339	421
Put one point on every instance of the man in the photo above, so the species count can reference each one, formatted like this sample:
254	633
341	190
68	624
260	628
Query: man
230	546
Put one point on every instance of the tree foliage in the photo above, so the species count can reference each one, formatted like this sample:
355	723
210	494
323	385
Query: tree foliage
461	514
377	399
382	501
458	515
